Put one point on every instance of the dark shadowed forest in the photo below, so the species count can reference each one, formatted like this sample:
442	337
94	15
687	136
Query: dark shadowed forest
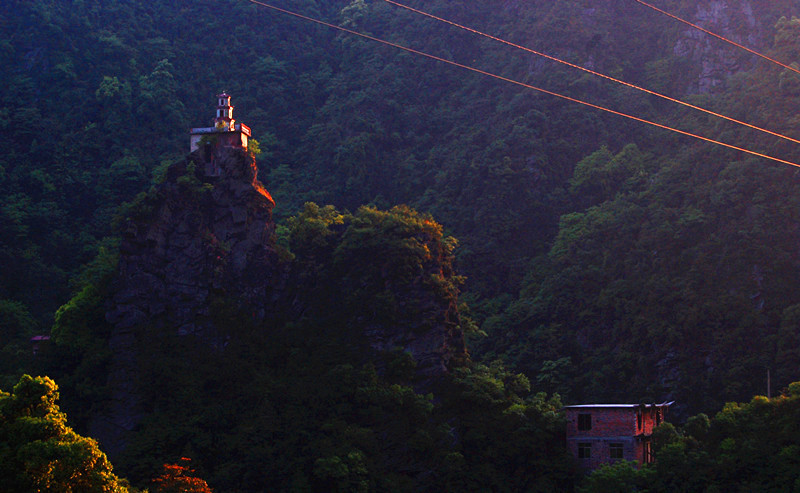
413	267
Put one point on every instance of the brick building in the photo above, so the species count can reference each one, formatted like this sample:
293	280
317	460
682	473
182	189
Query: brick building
600	434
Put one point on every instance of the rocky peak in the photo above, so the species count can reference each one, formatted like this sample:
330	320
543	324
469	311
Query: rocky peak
203	235
202	243
208	233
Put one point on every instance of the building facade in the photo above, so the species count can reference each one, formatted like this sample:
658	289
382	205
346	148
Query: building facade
223	129
600	434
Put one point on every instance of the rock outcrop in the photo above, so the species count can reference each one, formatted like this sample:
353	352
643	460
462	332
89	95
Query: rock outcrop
207	234
400	288
735	20
204	234
434	341
204	239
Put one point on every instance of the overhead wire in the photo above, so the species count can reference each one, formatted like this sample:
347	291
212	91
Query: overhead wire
595	73
522	84
719	36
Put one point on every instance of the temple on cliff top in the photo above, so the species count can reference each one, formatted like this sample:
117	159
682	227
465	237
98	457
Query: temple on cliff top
224	128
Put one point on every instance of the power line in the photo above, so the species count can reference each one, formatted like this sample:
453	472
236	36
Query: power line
718	36
518	83
598	74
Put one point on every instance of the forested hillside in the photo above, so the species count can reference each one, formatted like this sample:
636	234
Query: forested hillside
604	260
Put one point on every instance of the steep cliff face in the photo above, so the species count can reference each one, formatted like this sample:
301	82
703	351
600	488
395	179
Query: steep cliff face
747	22
715	59
206	234
198	263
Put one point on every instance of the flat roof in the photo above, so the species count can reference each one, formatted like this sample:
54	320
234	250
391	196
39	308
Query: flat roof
598	406
238	127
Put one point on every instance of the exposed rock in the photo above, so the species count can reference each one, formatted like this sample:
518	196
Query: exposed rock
428	324
433	349
205	233
208	236
716	59
204	238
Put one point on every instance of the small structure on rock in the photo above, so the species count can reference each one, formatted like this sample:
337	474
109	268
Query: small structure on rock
600	434
224	129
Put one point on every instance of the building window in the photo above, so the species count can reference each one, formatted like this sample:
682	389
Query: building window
648	453
639	420
584	450
615	450
584	422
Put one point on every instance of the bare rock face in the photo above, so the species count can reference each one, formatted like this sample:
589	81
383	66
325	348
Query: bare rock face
205	234
426	323
434	345
200	247
717	60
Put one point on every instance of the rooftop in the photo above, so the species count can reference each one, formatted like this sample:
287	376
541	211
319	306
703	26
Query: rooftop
606	406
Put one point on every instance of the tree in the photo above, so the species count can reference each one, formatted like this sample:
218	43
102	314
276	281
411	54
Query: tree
178	478
39	452
622	477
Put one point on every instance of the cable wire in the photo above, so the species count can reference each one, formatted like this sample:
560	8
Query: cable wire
598	74
718	36
522	84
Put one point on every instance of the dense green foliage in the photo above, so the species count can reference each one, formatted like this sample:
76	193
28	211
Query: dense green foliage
603	259
39	452
387	268
99	96
304	404
660	284
304	419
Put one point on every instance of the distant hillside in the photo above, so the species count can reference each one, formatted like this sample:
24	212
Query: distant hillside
611	259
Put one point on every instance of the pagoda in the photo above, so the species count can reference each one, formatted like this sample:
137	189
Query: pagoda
224	130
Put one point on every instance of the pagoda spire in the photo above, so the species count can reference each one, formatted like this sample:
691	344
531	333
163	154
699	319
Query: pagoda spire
224	115
226	132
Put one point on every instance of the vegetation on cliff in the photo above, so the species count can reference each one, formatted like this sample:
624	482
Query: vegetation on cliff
497	166
602	260
324	391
